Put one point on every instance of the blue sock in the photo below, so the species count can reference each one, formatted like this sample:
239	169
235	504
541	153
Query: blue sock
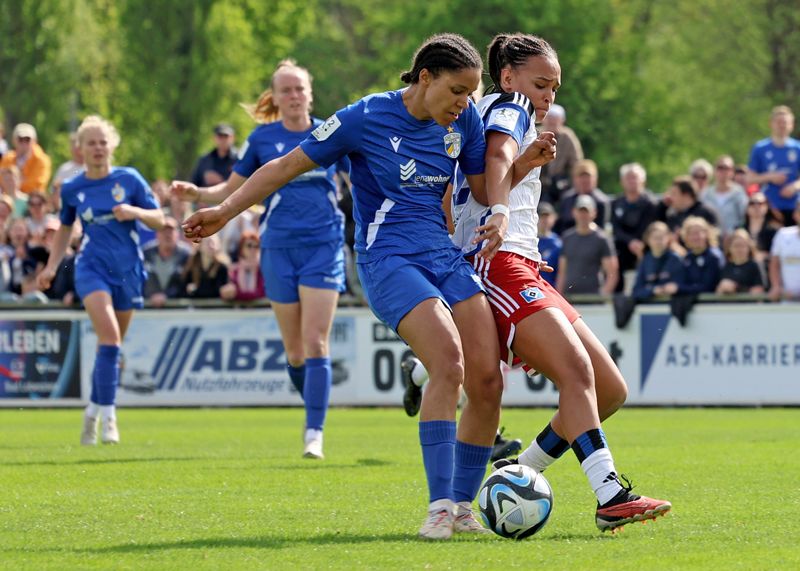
106	373
588	443
470	467
551	443
438	440
317	390
94	396
298	377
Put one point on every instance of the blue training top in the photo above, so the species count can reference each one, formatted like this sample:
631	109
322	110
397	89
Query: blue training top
400	168
767	157
108	245
305	211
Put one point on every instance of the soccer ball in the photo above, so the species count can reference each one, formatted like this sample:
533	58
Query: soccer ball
515	501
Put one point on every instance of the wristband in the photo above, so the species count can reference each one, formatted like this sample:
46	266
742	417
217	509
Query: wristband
500	209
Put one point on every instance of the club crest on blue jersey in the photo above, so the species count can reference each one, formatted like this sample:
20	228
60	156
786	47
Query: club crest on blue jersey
118	193
531	294
452	143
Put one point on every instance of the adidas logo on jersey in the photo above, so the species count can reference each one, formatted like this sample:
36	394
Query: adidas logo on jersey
395	141
408	170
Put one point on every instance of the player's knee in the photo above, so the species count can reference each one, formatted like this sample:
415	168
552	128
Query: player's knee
580	374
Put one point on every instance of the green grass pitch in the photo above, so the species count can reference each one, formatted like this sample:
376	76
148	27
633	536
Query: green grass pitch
227	489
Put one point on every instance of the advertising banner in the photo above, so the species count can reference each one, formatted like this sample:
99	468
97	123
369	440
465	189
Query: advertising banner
39	359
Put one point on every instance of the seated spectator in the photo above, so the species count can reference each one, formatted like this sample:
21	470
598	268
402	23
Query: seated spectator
231	233
703	261
584	182
549	245
164	261
70	169
775	165
63	287
684	203
246	282
555	175
31	160
741	273
26	261
206	270
761	226
38	217
784	261
587	255
9	186
700	172
726	197
216	166
631	214
740	178
660	271
6	214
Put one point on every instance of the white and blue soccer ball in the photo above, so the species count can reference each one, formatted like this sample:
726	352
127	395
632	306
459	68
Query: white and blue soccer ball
515	501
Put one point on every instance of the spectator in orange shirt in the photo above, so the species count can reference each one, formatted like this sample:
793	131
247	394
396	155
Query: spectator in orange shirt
33	163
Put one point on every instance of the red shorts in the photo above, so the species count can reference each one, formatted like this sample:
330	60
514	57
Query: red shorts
517	290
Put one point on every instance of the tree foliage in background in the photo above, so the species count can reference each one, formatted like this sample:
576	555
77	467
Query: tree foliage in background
659	83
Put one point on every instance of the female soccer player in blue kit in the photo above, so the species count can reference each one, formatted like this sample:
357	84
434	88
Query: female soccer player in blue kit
109	270
403	146
302	239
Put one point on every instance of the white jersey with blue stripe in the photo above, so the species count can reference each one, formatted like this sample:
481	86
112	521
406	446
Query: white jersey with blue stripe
512	114
107	244
303	212
400	168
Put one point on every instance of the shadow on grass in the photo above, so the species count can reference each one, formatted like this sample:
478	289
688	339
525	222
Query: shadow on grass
317	465
91	461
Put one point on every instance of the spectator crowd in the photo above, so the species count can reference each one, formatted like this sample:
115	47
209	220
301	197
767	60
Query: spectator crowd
721	228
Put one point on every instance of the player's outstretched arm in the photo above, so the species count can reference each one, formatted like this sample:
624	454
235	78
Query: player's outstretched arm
190	192
265	181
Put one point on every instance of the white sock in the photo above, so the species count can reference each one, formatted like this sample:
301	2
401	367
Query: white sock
92	409
312	434
536	458
599	468
108	412
419	374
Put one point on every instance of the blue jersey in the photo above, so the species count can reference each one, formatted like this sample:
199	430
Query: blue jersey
108	245
767	157
305	211
400	168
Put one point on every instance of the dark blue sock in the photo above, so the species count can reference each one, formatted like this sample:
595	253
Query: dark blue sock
551	443
438	440
94	396
470	467
317	390
106	370
589	442
298	377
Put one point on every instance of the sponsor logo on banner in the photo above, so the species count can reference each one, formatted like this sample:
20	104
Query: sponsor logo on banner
38	359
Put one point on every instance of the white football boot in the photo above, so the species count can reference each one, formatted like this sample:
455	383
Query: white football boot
465	520
89	432
313	448
109	432
439	524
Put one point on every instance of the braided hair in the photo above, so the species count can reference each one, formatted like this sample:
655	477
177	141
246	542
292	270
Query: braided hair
443	52
514	50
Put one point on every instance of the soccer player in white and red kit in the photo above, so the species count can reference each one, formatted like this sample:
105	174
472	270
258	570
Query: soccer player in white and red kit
535	323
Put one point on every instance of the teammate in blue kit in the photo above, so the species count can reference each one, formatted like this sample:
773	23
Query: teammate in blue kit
403	146
109	270
302	239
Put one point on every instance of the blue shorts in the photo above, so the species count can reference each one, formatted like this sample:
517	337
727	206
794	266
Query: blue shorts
395	285
318	266
125	289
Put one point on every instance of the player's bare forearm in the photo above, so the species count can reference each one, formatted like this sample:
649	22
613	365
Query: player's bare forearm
153	218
